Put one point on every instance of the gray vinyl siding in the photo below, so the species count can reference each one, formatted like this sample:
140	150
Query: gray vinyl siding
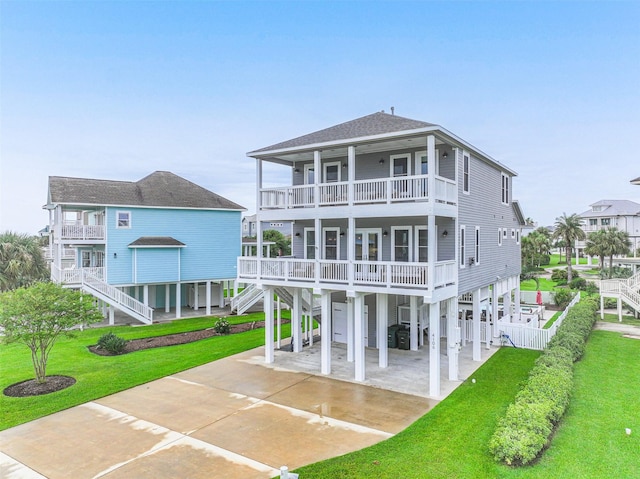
483	207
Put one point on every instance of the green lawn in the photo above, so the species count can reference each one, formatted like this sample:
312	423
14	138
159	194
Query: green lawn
548	324
626	319
554	261
545	285
99	376
451	440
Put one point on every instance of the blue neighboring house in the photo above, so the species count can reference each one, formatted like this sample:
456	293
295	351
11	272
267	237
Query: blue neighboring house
162	242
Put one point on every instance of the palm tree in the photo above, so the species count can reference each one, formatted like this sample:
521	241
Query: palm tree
597	245
568	228
21	261
619	243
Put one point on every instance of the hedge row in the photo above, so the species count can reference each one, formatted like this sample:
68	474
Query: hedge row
524	430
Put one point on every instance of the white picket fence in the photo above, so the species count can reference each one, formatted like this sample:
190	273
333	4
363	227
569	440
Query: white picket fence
522	336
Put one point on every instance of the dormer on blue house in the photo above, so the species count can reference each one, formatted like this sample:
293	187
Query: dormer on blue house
162	242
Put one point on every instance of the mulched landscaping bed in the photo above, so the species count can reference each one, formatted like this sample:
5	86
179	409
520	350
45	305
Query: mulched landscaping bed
179	338
33	388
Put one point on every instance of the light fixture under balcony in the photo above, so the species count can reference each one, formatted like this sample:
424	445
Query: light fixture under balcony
298	234
381	161
385	233
445	233
445	155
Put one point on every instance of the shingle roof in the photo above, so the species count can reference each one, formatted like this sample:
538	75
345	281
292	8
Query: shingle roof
156	241
374	124
613	208
161	188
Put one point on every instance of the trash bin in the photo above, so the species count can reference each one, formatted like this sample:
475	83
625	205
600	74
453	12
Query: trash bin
392	335
404	339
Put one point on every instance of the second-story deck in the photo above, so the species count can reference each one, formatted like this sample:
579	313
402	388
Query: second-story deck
343	274
80	232
360	192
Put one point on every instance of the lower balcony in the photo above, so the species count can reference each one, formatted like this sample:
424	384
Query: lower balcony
344	274
73	276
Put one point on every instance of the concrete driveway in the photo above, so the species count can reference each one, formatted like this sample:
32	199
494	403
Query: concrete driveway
232	418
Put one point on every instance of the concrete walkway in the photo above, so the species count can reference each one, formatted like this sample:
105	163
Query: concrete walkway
625	329
230	418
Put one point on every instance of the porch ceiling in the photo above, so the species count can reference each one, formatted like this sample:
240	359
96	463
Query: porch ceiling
361	149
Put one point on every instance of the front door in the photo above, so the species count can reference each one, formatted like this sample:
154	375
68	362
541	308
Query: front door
368	244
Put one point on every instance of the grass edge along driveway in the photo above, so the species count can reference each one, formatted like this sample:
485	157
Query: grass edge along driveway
451	440
99	376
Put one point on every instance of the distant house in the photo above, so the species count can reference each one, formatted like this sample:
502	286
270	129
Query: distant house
249	226
622	214
395	222
160	242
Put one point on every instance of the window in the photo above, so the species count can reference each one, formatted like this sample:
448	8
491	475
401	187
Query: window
593	222
422	163
86	259
499	236
401	243
309	174
422	244
517	236
309	243
513	234
245	226
275	225
476	252
605	221
400	165
123	219
462	245
505	189
331	242
504	233
332	172
465	173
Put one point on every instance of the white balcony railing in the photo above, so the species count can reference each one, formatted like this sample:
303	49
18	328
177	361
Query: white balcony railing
379	190
379	273
73	276
82	232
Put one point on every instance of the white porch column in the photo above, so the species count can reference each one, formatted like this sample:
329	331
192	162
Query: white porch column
145	295
453	338
382	312
413	322
112	315
434	349
268	326
506	306
351	169
350	327
208	298
516	302
296	320
359	330
494	310
325	327
279	324
351	248
317	178
167	298
619	309
221	295
196	296
601	307
178	301
476	326
431	160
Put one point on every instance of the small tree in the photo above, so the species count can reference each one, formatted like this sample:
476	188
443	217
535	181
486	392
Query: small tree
282	243
39	314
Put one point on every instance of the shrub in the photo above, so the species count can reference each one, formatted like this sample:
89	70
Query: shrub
591	288
562	275
112	343
562	297
610	303
222	326
578	283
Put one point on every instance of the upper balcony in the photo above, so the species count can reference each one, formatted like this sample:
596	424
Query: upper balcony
80	232
361	192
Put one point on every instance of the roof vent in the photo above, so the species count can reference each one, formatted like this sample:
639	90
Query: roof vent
393	108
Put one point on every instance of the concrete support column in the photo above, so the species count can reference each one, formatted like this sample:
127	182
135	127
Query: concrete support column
178	300
359	332
350	327
413	317
145	295
325	328
196	296
269	354
167	298
453	338
279	324
296	320
601	307
620	309
476	326
382	312
434	349
208	298
112	315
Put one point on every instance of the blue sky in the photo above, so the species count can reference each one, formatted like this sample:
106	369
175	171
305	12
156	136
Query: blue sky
116	90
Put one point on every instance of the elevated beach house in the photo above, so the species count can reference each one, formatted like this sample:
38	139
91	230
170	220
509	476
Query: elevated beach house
160	242
395	222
